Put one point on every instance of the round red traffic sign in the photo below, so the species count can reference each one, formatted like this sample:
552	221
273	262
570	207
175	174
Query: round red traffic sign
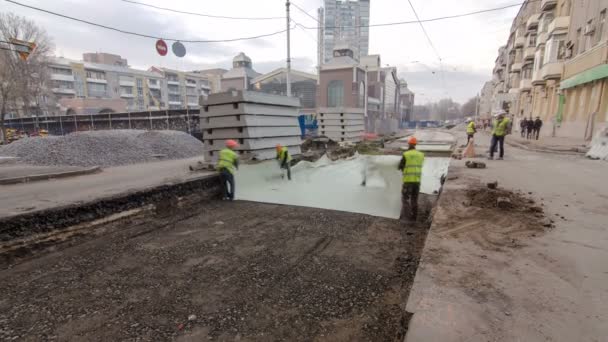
161	47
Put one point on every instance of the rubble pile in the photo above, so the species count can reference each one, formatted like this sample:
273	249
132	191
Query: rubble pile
104	148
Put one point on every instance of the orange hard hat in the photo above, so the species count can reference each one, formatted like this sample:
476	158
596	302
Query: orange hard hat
231	144
279	147
412	140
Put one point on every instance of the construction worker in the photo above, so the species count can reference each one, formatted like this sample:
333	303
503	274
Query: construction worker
284	159
501	125
227	163
471	129
411	165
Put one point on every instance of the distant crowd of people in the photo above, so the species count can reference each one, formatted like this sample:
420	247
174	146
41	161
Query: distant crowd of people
530	129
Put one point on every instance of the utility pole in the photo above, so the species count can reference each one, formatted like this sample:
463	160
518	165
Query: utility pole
477	103
288	76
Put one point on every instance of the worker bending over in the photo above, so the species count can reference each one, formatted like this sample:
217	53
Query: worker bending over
227	163
411	164
471	129
501	126
284	159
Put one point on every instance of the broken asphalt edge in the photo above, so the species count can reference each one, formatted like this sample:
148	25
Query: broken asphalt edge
47	176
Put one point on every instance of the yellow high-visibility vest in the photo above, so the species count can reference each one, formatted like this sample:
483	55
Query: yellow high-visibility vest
227	160
412	172
471	128
281	154
500	127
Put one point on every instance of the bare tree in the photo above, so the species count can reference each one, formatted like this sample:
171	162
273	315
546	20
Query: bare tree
470	107
23	83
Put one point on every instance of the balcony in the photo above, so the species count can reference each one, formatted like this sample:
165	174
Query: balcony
97	80
516	67
520	42
552	70
64	91
127	83
155	85
547	5
191	85
559	24
529	52
175	103
532	23
589	59
541	39
525	84
173	81
127	95
61	77
514	91
537	78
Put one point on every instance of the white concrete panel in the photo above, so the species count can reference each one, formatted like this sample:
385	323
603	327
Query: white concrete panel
248	120
248	108
251	132
337	185
347	129
333	116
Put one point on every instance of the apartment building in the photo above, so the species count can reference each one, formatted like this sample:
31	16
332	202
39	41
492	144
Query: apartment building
89	88
555	66
344	22
406	101
183	89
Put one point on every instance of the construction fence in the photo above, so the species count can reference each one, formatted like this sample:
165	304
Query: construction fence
185	120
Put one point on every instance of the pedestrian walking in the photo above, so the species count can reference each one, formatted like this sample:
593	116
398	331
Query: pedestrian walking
227	163
284	159
538	124
529	128
499	132
471	129
523	126
411	165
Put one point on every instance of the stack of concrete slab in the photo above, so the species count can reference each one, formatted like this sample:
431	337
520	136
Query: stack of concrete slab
257	121
341	124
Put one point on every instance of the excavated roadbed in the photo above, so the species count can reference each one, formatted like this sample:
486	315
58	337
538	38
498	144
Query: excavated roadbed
197	269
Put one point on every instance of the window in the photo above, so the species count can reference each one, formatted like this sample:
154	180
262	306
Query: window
173	89
124	90
172	78
589	35
174	98
361	98
579	41
98	75
335	94
62	71
532	40
96	89
601	26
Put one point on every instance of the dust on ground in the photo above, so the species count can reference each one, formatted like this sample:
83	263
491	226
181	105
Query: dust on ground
219	271
475	214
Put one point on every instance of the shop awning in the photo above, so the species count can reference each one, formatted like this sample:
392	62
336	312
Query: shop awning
596	73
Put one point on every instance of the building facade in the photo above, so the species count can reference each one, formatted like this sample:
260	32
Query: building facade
105	58
555	66
90	88
344	22
303	86
241	74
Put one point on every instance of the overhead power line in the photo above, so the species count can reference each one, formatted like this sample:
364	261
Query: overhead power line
431	19
304	11
143	34
424	31
200	14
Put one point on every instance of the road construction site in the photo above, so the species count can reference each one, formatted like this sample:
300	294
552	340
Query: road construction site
148	252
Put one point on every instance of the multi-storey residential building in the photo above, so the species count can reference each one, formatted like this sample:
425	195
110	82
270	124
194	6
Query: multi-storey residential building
485	100
344	22
583	101
183	88
559	70
215	78
104	58
83	87
406	102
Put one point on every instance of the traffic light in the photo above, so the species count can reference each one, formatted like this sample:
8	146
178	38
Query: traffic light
23	48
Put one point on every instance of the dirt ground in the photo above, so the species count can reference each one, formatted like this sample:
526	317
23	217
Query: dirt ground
270	273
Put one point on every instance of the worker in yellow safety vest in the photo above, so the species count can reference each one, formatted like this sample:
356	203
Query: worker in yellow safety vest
227	163
471	129
411	165
499	131
284	160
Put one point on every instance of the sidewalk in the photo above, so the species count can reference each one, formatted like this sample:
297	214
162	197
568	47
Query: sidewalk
22	198
548	144
542	286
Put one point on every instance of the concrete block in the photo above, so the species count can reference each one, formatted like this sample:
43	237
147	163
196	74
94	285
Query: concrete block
247	121
249	96
326	128
248	108
340	116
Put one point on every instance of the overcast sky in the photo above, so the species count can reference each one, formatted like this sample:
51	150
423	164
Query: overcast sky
467	46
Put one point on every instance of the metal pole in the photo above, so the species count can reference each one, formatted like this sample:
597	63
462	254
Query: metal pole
150	118
477	106
288	76
61	125
188	120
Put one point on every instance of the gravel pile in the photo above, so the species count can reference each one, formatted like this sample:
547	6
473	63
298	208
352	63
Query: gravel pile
104	148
